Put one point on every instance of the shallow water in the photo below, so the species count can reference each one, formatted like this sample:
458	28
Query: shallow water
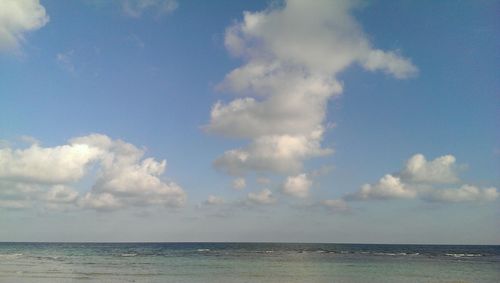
246	262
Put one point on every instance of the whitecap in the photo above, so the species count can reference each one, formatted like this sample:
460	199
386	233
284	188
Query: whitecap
11	255
463	255
386	254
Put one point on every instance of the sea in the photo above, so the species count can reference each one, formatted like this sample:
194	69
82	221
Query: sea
246	262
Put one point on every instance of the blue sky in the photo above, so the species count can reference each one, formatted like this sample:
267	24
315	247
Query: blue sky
334	121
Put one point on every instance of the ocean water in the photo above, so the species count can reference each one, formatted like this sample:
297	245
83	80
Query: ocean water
246	262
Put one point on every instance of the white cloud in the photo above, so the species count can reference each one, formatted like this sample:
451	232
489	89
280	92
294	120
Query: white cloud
297	186
239	184
293	54
128	178
100	201
390	63
336	205
265	196
123	179
277	153
29	195
139	184
67	163
466	193
388	187
320	35
18	17
294	105
136	8
214	200
420	179
18	195
439	170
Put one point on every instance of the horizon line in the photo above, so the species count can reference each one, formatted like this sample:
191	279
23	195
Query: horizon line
232	242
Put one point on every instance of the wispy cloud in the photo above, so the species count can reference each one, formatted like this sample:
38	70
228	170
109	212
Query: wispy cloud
136	8
136	40
65	61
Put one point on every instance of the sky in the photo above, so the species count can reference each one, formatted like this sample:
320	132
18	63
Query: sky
279	121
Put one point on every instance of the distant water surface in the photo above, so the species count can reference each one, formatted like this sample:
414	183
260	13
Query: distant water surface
246	262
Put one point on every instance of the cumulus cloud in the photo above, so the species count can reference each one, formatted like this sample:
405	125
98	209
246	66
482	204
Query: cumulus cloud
264	196
297	186
292	55
421	179
67	163
276	153
128	179
239	184
123	179
100	201
18	17
388	187
136	8
439	170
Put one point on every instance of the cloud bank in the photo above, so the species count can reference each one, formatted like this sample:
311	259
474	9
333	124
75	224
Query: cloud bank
123	178
18	17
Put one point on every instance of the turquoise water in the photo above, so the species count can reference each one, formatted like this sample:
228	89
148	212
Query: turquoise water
246	262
